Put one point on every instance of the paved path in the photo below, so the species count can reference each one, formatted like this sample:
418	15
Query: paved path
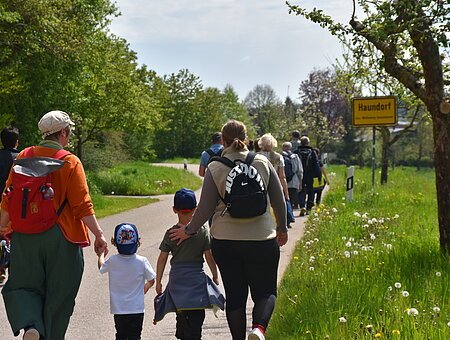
91	318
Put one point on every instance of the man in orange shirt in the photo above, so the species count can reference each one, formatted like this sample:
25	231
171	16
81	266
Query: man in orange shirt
46	268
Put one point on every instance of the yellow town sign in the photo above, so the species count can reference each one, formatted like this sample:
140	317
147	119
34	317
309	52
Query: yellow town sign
374	111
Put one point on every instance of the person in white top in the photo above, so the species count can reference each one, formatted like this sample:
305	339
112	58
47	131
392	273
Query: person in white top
130	277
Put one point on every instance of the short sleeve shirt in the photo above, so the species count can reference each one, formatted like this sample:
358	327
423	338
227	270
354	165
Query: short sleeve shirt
205	157
190	250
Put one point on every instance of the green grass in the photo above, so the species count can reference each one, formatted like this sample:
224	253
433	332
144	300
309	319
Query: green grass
140	178
353	254
107	205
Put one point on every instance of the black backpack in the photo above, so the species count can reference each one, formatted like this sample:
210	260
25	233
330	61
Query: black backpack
245	192
288	166
309	162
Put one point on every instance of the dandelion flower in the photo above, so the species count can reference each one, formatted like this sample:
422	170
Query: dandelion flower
365	226
372	236
397	285
405	293
357	214
438	274
355	252
396	331
348	244
344	238
436	309
347	254
342	319
412	311
378	335
296	258
334	210
311	269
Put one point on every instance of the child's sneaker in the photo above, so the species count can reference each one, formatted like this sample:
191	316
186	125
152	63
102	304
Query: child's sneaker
256	334
31	334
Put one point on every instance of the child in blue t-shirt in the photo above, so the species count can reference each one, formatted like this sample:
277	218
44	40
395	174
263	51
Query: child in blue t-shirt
130	277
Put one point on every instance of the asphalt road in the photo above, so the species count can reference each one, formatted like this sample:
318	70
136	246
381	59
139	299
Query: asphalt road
91	318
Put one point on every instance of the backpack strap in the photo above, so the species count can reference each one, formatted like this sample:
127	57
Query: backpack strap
250	157
225	161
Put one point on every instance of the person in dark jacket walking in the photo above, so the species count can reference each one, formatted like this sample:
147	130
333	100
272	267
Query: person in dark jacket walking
10	141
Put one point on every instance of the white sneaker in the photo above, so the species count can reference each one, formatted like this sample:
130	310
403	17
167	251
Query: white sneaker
31	334
256	334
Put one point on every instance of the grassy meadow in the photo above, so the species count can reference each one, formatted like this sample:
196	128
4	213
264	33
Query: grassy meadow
370	268
140	178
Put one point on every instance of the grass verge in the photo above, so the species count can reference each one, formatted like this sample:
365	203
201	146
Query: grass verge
370	268
105	206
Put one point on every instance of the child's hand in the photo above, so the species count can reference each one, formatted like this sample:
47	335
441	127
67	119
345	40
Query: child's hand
158	288
148	285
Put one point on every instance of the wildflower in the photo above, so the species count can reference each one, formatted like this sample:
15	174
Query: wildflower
372	236
396	216
378	335
412	311
347	254
307	243
365	226
112	192
365	215
436	309
448	324
316	240
348	244
368	269
296	258
311	269
390	288
344	238
369	327
334	210
396	331
438	274
342	319
389	246
312	259
355	252
357	214
397	285
405	293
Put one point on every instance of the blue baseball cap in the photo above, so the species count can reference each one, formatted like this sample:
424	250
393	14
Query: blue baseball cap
126	238
184	200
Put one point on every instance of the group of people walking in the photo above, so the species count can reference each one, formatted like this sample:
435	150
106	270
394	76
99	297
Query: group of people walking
245	197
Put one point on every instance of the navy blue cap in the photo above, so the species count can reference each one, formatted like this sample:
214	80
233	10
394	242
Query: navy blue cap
126	238
184	200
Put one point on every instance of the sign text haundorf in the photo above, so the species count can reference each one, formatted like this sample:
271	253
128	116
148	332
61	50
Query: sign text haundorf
374	111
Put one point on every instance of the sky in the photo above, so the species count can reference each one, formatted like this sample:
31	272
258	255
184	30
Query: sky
243	43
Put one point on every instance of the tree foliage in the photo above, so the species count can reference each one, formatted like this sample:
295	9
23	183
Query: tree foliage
413	38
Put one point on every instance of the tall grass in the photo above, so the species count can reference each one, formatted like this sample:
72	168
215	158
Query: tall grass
370	268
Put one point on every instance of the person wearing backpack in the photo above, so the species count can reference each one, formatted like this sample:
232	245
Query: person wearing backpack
246	240
267	143
214	151
47	262
294	173
311	169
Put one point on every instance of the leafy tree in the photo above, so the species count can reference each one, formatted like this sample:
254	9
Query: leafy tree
265	108
322	107
412	36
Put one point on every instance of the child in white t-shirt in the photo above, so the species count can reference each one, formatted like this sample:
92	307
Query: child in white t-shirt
130	277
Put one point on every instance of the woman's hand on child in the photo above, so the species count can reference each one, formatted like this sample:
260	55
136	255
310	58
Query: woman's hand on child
178	234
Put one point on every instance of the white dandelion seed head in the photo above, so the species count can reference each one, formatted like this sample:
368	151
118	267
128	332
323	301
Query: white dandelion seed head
348	244
405	293
436	309
438	274
372	236
311	269
347	254
389	246
334	210
448	324
312	259
342	319
365	226
397	285
357	214
390	288
355	252
412	311
396	216
344	238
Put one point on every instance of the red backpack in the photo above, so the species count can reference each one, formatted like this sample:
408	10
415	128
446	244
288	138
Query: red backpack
30	195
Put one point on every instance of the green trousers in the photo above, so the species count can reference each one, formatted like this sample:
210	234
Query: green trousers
44	277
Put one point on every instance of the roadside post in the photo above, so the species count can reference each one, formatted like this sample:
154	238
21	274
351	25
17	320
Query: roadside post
349	188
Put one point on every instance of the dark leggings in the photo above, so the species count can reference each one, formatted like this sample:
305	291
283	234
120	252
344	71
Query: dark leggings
245	264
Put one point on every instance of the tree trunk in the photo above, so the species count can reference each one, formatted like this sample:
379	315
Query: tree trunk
441	133
79	146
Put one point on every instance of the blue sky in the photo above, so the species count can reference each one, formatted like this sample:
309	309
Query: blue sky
239	42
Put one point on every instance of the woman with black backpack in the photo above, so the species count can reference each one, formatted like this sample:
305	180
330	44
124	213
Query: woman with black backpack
245	239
